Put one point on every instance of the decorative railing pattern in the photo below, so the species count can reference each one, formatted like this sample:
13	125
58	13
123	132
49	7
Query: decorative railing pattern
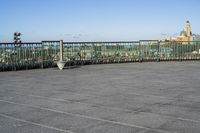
46	53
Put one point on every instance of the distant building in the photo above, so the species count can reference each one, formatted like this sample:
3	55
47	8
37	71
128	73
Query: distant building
196	37
185	35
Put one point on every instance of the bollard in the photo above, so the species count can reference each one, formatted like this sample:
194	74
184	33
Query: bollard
61	50
61	63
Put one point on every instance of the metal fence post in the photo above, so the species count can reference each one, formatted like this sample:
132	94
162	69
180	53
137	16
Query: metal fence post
42	55
15	58
180	54
158	52
61	63
61	50
140	58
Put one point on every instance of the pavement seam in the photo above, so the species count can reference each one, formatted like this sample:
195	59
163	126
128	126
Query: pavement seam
33	123
137	94
118	109
87	117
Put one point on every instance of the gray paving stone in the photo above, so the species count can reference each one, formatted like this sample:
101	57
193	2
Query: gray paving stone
114	98
13	126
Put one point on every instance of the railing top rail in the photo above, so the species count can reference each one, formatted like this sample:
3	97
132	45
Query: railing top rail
106	42
51	41
148	40
102	42
21	43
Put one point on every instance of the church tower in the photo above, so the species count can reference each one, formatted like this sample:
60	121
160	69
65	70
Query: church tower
185	35
188	29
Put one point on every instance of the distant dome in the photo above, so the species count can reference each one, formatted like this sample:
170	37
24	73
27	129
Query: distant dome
188	21
183	33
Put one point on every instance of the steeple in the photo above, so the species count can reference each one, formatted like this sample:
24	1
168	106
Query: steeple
188	29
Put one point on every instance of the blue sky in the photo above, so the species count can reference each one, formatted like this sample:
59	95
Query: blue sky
96	20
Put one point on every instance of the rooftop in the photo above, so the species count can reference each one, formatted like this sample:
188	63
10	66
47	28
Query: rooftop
114	98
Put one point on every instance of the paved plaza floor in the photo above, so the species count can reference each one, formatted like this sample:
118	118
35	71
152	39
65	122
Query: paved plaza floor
114	98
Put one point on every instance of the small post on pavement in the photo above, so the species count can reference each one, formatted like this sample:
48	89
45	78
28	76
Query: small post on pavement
61	50
61	63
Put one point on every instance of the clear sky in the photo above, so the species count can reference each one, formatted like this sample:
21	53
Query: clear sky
96	20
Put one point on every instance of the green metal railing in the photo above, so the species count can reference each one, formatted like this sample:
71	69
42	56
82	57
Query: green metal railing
45	54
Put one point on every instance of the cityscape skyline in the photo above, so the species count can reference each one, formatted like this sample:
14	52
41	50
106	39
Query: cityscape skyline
76	20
